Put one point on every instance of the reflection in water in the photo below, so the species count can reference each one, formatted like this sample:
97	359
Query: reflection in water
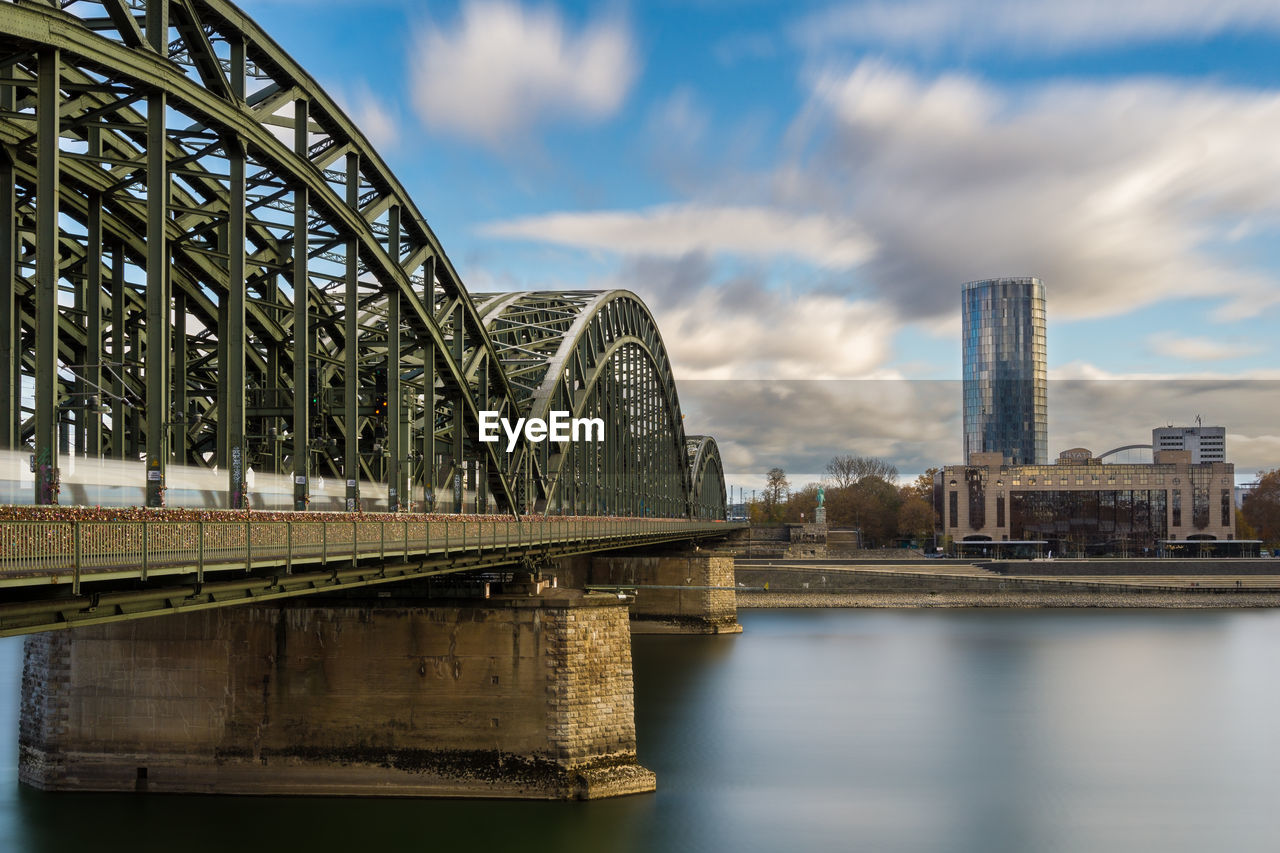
963	730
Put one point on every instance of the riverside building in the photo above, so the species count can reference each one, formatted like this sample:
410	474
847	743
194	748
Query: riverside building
1082	507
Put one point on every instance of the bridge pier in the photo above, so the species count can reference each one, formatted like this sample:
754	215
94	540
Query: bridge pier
679	590
525	696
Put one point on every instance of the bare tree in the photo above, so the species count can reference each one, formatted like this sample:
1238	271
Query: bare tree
841	471
776	488
848	470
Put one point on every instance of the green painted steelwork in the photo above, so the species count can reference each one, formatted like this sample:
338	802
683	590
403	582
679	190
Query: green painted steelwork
598	355
274	299
707	493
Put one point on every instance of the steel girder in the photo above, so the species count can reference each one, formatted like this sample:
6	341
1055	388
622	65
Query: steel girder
203	262
263	189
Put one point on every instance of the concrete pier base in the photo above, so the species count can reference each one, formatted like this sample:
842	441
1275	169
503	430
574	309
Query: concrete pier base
682	591
524	697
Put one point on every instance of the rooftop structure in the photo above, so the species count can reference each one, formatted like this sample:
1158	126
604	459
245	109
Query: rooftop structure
1206	444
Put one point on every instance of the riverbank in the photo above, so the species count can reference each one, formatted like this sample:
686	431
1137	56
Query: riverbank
1028	599
831	583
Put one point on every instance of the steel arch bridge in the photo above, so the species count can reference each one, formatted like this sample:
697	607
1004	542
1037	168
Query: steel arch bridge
203	262
707	488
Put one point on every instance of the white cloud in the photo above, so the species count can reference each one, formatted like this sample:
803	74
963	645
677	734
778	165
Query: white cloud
800	425
1031	26
503	69
676	230
1087	371
1197	349
1106	411
751	333
718	327
1118	195
1112	193
1252	454
373	116
679	121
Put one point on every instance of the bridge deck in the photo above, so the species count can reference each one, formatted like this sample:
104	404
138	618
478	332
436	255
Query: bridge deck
54	573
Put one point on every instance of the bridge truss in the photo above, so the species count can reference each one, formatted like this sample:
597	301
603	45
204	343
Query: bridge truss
203	262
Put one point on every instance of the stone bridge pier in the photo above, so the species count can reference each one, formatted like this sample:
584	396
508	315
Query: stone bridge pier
679	589
525	696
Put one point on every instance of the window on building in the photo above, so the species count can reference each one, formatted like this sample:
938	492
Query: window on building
976	482
1096	522
953	509
1200	498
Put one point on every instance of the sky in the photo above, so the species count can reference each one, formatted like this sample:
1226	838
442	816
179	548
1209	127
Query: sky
798	190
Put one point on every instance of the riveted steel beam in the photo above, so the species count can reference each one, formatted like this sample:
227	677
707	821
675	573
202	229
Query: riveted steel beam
47	264
10	358
301	322
294	280
351	352
159	415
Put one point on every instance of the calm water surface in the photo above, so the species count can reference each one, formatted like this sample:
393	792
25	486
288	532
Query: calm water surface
877	730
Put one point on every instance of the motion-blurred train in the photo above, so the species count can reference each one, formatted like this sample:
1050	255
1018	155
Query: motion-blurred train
116	482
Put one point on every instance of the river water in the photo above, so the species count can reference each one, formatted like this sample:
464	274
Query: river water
822	730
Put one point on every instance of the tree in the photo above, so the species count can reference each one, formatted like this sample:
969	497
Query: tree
876	501
922	486
847	470
801	504
870	505
1261	507
916	519
776	488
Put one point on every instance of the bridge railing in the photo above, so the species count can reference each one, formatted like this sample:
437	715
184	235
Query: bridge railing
76	549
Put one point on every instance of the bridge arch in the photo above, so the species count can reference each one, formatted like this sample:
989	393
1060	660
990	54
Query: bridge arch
596	355
706	472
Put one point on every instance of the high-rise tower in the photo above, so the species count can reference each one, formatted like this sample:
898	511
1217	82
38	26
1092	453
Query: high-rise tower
1005	377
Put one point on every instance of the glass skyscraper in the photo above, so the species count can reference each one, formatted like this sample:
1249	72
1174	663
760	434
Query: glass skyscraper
1005	376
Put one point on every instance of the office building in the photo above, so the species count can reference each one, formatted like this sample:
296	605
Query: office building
1005	375
1206	444
1081	507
